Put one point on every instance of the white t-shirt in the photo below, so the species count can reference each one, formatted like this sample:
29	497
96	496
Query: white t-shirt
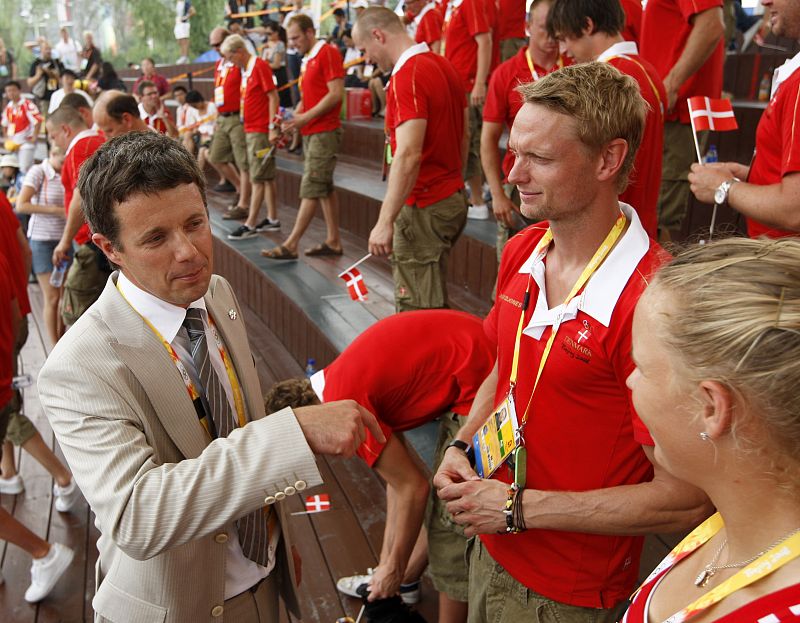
58	96
48	190
69	53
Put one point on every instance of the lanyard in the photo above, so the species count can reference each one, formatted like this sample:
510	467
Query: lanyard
243	86
771	560
535	74
591	267
222	74
192	390
646	75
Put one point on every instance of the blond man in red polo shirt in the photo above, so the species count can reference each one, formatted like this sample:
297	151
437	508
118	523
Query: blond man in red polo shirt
566	292
425	22
317	119
424	209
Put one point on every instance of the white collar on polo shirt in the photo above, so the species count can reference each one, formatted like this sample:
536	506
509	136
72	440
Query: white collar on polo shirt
418	48
318	384
315	50
622	48
81	135
603	290
783	72
421	14
165	317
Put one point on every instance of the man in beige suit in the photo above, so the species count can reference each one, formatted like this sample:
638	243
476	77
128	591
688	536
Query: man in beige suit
154	398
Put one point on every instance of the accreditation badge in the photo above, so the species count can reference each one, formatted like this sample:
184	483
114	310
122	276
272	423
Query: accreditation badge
496	438
219	96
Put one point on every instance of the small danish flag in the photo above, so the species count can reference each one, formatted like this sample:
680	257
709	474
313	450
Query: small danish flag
355	284
712	114
318	503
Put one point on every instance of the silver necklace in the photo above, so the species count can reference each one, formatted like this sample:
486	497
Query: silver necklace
711	568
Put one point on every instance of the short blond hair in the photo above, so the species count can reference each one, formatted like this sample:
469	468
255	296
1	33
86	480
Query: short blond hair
729	311
232	43
378	17
604	103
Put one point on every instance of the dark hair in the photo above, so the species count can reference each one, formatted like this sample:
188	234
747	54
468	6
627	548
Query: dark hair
13	83
123	103
292	393
132	164
339	12
76	101
348	32
180	87
107	70
194	97
276	27
569	17
69	72
143	85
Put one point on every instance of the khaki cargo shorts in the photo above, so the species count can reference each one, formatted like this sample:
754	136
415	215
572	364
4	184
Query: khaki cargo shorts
228	143
261	170
83	285
319	161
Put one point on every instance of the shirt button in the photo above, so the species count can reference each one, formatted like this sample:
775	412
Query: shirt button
290	491
280	495
269	500
221	538
300	485
217	611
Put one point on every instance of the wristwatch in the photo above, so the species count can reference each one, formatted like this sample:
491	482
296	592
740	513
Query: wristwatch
721	194
272	126
465	448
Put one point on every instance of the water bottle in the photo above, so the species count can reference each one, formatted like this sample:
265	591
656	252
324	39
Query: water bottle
764	88
22	381
310	368
711	155
57	276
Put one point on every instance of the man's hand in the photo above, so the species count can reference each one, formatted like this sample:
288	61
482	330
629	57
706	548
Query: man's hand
385	582
671	86
61	252
380	238
477	505
705	178
478	94
296	122
454	468
504	210
337	428
274	136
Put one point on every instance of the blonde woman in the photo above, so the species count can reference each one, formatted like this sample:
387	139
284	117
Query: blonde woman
716	337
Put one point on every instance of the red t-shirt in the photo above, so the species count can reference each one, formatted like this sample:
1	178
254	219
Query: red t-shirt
645	180
409	368
502	99
510	20
7	295
427	87
326	65
582	433
463	21
633	20
9	248
77	154
777	149
229	77
256	101
20	119
429	28
156	120
160	82
665	29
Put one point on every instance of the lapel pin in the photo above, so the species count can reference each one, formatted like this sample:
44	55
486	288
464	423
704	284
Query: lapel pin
232	314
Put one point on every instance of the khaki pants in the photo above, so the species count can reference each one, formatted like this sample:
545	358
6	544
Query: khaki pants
228	144
255	606
472	166
84	284
496	597
679	154
422	241
319	161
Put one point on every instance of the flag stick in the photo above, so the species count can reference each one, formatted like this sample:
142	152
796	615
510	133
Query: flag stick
361	613
694	133
363	259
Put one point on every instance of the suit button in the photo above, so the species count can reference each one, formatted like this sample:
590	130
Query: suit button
217	611
221	538
270	499
300	485
290	491
280	495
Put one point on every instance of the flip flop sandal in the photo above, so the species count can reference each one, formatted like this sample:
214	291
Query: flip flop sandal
322	249
279	253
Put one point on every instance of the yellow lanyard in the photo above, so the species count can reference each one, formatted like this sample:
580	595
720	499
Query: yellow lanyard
193	392
243	85
534	74
646	75
771	560
591	267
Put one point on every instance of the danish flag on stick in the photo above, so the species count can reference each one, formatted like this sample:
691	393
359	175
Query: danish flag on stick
712	114
355	284
318	503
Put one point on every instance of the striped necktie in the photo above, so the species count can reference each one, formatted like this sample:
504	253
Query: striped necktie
252	528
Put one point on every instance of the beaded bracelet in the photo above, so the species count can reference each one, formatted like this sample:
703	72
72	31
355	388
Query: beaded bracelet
513	510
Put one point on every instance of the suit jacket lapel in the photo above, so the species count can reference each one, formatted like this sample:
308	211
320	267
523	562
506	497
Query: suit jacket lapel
147	359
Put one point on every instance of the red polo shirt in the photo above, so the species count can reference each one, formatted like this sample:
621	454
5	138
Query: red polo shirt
259	83
321	67
410	368
582	432
7	295
777	148
427	87
645	179
510	20
9	249
665	29
633	20
227	85
78	152
503	101
429	29
463	21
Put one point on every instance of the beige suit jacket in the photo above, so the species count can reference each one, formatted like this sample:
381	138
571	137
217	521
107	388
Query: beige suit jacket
163	494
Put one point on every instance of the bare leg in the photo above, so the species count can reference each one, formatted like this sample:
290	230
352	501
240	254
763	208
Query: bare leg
304	216
419	558
9	470
256	199
330	210
271	199
50	308
244	189
38	449
451	611
184	45
228	171
13	531
187	142
475	184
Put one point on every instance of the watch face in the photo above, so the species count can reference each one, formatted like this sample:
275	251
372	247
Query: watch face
721	193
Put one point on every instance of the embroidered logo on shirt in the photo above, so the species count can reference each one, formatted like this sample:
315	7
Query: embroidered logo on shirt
508	299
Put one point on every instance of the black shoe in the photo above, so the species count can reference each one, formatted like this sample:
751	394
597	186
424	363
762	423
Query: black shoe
269	225
390	610
224	187
242	233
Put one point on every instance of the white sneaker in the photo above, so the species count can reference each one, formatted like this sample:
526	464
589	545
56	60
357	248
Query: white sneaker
478	212
348	585
13	485
66	497
410	593
45	572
